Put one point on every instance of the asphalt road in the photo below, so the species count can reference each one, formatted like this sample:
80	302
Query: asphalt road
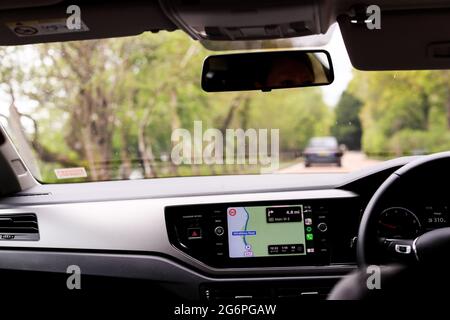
351	161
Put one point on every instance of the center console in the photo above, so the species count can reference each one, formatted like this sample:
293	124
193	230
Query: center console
257	234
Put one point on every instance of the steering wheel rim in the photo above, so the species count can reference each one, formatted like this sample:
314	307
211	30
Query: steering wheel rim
366	229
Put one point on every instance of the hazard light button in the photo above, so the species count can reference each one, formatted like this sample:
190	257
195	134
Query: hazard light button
194	233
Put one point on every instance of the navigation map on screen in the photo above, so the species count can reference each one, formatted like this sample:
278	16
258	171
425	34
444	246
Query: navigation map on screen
266	231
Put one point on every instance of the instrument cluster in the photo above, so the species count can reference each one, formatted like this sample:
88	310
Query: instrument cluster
409	222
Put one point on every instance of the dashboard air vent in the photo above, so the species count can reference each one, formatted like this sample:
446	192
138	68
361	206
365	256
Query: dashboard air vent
19	227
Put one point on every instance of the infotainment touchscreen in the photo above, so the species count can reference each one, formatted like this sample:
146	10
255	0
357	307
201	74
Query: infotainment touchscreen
269	231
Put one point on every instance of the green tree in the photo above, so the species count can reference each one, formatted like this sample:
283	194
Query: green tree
347	128
299	114
404	112
111	105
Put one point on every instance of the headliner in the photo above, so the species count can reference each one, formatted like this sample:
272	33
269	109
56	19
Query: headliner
414	34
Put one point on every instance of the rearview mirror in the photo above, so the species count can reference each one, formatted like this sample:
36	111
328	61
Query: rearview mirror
267	70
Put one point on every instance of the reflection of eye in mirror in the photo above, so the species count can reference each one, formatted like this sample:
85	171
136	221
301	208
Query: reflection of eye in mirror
267	70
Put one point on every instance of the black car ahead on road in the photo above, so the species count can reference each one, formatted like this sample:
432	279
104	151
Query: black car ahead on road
323	150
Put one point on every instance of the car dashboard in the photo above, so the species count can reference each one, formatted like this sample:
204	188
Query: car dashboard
211	238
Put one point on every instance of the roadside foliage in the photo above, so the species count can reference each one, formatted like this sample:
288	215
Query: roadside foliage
111	105
404	112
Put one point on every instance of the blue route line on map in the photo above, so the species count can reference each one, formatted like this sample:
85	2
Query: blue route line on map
246	223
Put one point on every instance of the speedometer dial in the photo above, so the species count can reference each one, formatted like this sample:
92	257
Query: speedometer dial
398	223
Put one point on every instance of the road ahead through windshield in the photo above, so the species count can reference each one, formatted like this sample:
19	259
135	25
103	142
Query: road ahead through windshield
352	160
151	121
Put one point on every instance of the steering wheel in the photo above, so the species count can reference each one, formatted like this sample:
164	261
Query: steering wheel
422	261
429	249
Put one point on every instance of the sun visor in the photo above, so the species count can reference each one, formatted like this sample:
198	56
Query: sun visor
49	23
407	40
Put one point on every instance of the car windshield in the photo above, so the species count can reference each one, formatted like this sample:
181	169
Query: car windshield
133	108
